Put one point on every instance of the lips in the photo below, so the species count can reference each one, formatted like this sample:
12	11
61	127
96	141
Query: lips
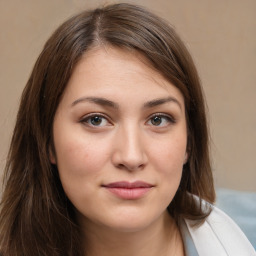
129	190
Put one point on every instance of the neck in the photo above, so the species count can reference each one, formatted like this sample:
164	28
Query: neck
160	238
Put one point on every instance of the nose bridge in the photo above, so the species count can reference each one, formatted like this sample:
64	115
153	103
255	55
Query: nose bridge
132	138
130	152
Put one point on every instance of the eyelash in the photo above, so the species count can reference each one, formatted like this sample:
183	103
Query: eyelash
169	118
85	120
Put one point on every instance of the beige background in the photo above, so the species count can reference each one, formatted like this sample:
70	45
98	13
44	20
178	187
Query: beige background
221	37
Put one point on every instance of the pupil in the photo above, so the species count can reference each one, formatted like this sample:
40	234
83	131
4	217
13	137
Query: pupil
96	120
156	120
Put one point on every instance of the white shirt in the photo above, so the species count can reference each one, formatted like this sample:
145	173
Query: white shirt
217	236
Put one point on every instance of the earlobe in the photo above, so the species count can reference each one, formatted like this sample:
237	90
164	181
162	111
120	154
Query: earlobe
185	158
52	157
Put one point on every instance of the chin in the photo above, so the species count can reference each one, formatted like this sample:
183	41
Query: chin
132	221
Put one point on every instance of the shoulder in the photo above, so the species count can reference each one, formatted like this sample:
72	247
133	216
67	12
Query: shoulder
219	235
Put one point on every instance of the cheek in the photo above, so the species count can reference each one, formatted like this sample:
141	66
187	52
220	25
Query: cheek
80	167
170	155
168	158
79	157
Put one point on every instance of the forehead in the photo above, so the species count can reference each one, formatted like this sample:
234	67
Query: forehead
109	70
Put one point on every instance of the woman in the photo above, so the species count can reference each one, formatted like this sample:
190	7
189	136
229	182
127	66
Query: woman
109	154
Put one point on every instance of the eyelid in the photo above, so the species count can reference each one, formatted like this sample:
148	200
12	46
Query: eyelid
86	117
168	116
90	115
167	123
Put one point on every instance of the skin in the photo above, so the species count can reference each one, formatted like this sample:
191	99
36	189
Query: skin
128	136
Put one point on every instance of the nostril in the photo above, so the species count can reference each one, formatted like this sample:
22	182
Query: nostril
129	152
130	167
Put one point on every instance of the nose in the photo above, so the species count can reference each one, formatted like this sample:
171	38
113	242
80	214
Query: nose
129	150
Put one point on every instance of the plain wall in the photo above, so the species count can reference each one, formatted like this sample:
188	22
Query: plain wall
221	37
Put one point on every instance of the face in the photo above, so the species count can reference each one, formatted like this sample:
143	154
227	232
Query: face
120	140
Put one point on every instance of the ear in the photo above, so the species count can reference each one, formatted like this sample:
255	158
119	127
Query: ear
52	156
185	158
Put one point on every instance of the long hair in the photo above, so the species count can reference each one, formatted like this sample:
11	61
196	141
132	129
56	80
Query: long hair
36	217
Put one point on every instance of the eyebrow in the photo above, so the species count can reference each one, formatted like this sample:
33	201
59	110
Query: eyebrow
160	101
109	103
96	100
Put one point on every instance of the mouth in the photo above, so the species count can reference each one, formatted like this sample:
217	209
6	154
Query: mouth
129	190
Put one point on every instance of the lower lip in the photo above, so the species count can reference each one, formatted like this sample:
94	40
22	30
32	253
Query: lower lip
129	193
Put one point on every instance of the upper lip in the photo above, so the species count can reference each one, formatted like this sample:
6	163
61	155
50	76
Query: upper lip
126	184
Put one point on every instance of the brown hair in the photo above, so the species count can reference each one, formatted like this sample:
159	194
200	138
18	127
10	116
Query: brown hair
36	217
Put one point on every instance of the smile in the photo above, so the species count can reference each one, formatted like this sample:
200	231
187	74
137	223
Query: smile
129	191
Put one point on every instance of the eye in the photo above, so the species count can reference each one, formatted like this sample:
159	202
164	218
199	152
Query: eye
95	120
160	120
